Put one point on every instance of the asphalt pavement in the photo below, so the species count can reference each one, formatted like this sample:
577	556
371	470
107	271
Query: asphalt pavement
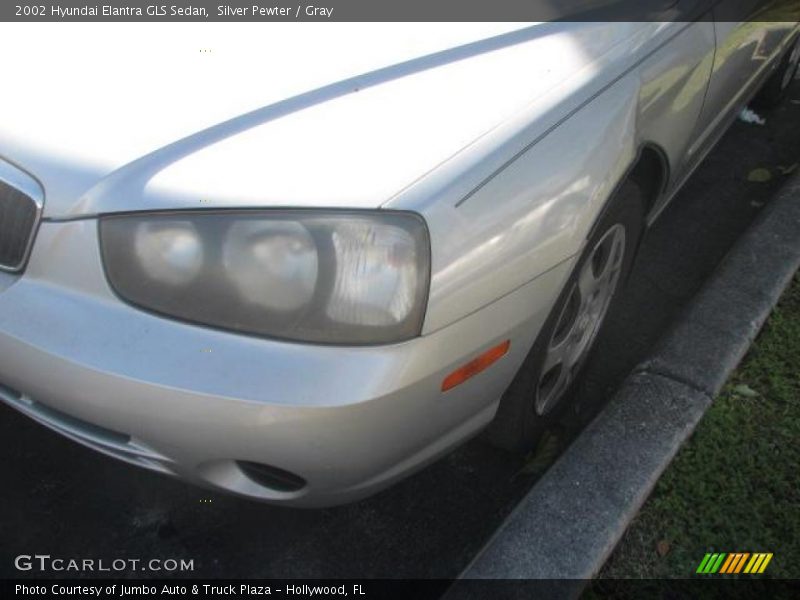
62	499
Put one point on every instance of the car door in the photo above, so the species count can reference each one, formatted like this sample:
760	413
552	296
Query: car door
746	44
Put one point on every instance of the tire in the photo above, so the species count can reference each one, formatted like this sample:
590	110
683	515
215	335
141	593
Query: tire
776	87
536	395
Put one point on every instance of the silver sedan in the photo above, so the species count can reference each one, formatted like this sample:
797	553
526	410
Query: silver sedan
298	275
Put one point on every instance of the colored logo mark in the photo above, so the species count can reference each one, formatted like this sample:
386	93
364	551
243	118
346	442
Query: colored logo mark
734	562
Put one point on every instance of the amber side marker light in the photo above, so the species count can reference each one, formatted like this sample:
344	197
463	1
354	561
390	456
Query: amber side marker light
475	366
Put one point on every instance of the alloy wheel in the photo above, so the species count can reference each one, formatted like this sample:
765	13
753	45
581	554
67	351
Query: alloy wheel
580	319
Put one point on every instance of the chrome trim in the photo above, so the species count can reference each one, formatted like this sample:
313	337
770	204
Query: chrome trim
17	178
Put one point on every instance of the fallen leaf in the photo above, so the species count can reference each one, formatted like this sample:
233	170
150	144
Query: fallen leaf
662	547
788	170
543	456
759	175
745	391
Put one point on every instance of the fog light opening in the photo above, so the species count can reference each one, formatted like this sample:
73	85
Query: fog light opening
271	477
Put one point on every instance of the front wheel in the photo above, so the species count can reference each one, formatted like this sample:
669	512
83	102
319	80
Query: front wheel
565	341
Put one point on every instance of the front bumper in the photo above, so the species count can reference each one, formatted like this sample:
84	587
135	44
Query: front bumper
191	401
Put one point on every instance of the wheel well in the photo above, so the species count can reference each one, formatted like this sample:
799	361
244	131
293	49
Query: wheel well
650	172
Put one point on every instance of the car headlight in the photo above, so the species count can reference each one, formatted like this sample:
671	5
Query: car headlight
341	277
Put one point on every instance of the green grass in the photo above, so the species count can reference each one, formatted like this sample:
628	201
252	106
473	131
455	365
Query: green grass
735	485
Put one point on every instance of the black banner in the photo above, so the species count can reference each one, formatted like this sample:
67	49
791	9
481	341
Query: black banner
391	589
392	10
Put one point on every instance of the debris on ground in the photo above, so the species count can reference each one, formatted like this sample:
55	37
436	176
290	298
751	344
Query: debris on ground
545	454
759	175
745	390
748	115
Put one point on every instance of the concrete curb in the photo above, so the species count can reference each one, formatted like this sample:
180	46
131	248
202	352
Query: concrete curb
570	521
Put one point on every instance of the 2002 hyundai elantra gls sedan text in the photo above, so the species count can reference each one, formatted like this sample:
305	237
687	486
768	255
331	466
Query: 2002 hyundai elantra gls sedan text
298	263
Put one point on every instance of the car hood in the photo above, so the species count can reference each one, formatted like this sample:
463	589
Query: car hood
125	117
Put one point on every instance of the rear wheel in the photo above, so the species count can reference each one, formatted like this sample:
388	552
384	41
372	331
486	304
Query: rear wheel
546	378
775	88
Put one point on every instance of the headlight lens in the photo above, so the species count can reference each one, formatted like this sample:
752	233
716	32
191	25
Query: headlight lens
272	264
343	277
171	253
